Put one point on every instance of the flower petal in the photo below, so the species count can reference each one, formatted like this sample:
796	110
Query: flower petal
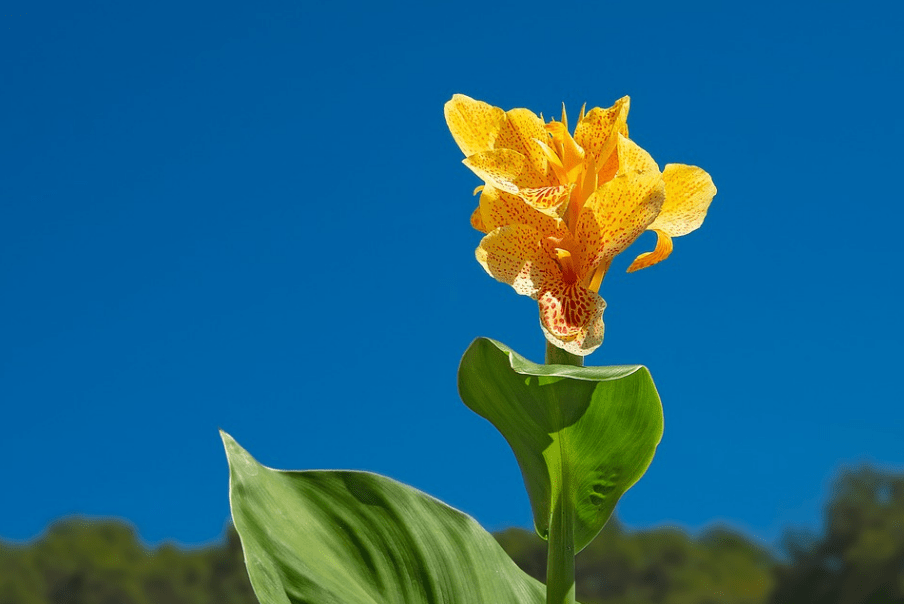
597	132
621	209
520	256
688	192
662	251
570	153
572	317
498	209
548	200
607	171
500	168
473	124
518	132
477	221
478	127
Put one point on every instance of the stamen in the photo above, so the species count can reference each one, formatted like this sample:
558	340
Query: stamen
597	280
566	262
553	159
478	190
590	178
587	182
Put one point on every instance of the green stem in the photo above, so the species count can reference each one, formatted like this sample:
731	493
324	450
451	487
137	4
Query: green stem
557	356
560	541
560	555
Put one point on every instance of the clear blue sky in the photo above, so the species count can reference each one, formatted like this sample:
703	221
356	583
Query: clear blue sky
252	216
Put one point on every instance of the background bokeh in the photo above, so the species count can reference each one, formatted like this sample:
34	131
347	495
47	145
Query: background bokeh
252	216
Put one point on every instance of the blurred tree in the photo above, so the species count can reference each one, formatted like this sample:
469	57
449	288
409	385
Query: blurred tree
662	566
20	581
82	561
860	558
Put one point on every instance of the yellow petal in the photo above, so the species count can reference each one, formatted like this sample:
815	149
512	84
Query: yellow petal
477	127
548	200
660	253
518	255
597	131
499	209
607	171
474	124
477	221
571	154
633	158
500	168
519	132
593	280
571	317
688	192
621	209
557	168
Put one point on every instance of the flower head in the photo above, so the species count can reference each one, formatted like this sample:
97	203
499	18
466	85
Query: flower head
557	208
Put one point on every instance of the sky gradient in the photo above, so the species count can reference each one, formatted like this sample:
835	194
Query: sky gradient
219	215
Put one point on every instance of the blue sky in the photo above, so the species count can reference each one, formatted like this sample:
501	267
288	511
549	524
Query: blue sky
253	217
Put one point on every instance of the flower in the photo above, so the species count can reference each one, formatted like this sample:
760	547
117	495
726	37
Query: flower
557	208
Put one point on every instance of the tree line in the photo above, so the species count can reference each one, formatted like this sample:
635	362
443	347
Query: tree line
858	558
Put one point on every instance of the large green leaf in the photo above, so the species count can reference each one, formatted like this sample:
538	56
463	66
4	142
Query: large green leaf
582	435
342	537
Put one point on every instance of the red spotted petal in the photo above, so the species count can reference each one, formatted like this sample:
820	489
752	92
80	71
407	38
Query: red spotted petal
498	209
520	256
571	317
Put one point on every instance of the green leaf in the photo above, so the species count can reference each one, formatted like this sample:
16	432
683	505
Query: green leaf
582	435
343	537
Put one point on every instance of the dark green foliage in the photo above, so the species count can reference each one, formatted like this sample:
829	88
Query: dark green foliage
658	566
82	561
860	557
858	560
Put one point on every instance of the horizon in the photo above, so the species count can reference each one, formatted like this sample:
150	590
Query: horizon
255	218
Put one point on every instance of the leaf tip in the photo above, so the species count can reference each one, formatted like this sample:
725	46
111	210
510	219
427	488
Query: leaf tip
234	450
228	441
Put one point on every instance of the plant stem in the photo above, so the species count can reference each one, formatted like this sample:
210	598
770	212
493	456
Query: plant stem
560	555
560	541
557	356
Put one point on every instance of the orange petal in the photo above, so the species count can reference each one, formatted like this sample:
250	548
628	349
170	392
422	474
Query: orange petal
473	124
660	253
621	209
607	171
571	317
571	154
520	256
688	192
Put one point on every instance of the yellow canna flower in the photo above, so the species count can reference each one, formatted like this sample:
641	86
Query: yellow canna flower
557	208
